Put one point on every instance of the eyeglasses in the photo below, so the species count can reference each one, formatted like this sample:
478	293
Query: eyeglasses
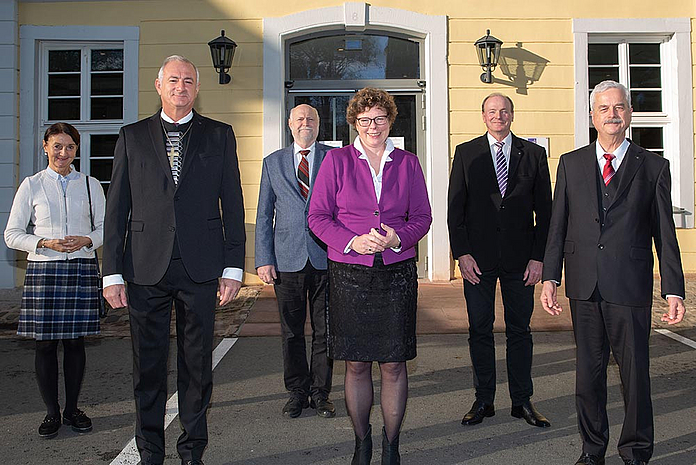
379	121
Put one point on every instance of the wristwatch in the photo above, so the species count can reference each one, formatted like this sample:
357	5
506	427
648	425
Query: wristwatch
41	243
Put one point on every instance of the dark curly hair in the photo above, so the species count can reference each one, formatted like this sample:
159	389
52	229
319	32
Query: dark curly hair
62	128
367	98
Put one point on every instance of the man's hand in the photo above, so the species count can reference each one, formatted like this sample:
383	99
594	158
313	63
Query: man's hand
228	290
116	295
676	311
532	274
549	299
267	273
469	268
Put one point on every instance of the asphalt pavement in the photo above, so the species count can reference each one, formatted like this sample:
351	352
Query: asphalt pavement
245	421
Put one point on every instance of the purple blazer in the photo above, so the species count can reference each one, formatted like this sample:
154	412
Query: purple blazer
344	204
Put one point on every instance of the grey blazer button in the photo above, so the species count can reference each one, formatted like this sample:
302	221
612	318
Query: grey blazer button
171	228
600	246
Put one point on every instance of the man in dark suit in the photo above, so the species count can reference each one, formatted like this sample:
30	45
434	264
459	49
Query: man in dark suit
289	255
174	225
498	216
612	198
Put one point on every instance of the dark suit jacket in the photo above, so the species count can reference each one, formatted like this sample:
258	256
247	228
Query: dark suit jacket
145	211
283	238
499	231
615	256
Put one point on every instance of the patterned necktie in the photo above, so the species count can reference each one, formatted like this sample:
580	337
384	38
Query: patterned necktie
303	174
174	153
608	171
501	171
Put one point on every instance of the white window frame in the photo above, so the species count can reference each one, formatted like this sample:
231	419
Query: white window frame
31	116
86	126
676	93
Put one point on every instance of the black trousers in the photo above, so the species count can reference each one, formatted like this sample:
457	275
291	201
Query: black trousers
150	314
518	302
294	291
598	327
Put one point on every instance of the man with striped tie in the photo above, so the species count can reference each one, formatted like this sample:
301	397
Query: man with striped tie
498	216
612	201
289	256
174	231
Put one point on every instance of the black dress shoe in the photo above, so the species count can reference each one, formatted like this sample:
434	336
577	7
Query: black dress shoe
589	459
634	462
79	421
50	426
192	462
530	414
293	407
324	407
479	410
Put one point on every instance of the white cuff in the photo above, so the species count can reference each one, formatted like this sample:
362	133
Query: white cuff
233	273
397	249
350	245
112	280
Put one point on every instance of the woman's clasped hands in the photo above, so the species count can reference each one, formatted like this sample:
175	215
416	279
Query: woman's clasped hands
374	242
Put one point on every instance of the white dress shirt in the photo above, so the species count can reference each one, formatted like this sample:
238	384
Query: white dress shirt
507	146
619	155
298	157
376	178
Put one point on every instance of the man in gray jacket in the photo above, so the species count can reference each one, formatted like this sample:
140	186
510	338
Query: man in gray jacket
291	257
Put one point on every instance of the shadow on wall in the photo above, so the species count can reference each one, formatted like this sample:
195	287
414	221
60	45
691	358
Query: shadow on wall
521	67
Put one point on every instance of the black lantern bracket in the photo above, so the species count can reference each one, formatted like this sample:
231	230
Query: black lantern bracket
488	50
222	51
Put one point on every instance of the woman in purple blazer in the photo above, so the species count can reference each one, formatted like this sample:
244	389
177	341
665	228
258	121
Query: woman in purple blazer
370	206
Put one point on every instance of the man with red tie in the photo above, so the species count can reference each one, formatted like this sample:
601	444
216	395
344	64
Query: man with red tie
289	256
612	200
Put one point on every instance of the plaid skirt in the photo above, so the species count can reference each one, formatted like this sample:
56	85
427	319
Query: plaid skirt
60	300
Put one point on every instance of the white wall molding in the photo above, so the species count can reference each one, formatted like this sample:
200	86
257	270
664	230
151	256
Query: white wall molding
433	31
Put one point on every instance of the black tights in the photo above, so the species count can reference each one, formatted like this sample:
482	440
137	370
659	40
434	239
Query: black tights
393	396
46	363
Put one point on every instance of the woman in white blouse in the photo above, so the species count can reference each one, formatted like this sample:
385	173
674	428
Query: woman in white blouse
50	220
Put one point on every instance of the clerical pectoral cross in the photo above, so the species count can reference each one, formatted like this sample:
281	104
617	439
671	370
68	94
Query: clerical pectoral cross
172	155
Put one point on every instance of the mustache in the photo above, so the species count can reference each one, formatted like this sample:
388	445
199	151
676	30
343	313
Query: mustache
613	121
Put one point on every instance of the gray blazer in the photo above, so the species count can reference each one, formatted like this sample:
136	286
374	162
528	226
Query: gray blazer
283	238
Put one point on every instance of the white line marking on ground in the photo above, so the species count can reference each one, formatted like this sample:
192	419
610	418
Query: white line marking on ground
677	337
129	455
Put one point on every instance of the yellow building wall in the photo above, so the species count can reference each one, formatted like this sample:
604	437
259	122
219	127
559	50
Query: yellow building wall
543	27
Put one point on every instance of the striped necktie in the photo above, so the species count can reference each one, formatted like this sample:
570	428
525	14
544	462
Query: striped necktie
173	144
608	171
501	170
303	174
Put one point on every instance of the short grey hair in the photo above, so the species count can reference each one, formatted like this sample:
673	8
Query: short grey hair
605	86
160	73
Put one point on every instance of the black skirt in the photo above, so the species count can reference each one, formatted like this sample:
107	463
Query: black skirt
372	311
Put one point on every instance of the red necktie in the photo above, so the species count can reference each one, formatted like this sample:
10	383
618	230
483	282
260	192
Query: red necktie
303	174
608	171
